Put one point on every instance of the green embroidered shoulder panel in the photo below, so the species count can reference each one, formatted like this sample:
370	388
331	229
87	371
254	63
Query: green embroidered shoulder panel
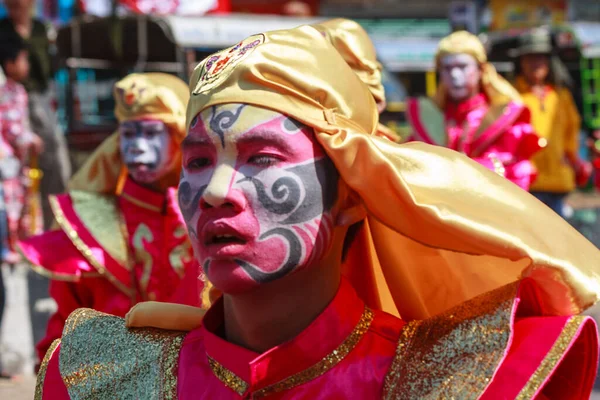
101	359
453	355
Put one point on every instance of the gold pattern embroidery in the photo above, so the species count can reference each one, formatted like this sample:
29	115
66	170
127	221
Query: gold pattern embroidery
142	236
57	276
332	359
65	225
39	385
455	354
552	358
326	363
181	254
101	358
229	379
38	269
140	203
492	117
100	215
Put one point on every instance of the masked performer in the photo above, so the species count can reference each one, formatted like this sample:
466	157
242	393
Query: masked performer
476	112
286	192
121	238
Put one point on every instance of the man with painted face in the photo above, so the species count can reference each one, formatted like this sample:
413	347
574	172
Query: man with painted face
280	160
121	238
476	112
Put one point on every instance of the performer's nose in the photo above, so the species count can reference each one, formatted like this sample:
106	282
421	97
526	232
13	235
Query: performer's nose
220	192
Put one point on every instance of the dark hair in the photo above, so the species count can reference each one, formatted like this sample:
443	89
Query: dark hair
11	44
350	236
558	74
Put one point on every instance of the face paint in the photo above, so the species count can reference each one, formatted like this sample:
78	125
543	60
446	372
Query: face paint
257	193
147	150
461	74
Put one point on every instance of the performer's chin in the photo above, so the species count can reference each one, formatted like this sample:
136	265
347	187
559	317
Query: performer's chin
229	277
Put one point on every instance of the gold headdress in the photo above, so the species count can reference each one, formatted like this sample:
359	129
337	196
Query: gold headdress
137	96
356	48
497	89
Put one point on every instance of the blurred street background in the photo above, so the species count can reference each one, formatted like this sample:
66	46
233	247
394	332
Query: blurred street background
87	45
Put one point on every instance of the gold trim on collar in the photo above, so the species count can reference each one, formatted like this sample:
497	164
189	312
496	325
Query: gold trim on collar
39	385
239	386
83	248
229	379
140	203
552	359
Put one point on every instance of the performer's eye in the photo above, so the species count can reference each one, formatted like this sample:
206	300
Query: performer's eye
264	160
153	132
197	163
128	133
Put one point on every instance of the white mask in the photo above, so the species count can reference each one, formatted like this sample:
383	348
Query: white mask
461	74
147	150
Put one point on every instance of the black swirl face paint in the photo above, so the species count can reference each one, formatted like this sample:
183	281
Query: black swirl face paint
257	195
146	149
220	121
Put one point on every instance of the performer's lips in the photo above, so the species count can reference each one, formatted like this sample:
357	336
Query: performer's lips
140	166
223	240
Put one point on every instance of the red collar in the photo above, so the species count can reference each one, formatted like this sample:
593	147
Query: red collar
458	111
143	197
319	340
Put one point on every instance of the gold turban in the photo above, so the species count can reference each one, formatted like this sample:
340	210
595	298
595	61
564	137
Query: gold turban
497	89
439	228
356	48
156	96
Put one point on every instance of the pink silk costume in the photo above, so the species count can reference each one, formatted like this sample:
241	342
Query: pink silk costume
83	257
499	138
487	348
516	338
493	128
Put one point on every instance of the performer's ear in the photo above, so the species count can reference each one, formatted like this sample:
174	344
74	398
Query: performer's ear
351	212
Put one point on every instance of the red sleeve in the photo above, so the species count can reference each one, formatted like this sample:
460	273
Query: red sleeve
548	358
49	380
67	300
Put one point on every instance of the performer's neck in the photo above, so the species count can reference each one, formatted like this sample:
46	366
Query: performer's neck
466	99
277	312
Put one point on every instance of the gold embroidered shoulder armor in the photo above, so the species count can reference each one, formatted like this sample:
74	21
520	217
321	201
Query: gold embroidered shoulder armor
453	355
101	359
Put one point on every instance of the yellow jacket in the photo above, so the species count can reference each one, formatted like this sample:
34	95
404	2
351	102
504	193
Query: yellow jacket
555	118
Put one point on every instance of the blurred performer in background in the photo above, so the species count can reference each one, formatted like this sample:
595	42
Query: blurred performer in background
476	112
121	239
17	145
54	160
280	160
355	46
542	81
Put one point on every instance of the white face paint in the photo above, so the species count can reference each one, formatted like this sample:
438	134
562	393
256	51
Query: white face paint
147	150
461	75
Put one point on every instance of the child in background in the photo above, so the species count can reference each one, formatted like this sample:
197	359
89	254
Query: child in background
17	142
